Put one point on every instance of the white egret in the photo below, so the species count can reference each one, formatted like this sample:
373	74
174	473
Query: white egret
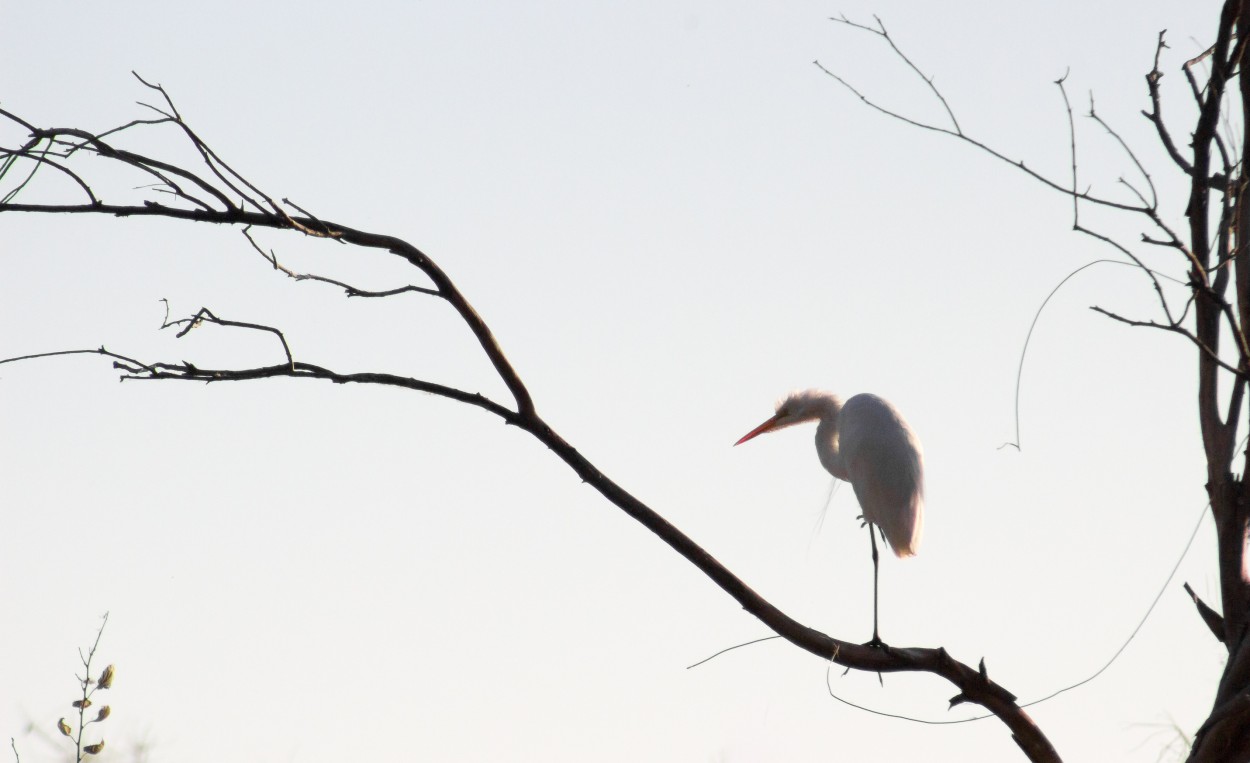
866	442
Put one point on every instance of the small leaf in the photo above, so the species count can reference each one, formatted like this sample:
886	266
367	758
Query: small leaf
106	678
104	713
82	703
94	749
64	727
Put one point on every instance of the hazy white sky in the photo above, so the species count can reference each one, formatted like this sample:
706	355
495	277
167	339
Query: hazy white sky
670	217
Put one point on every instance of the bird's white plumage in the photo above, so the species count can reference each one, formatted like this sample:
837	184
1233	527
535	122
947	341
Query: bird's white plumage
885	466
866	442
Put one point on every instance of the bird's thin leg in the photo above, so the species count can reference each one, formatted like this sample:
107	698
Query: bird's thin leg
876	637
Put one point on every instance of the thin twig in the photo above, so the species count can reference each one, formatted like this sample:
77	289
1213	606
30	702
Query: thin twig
350	290
1132	155
1028	337
1067	105
99	351
880	30
204	314
27	152
957	133
1176	329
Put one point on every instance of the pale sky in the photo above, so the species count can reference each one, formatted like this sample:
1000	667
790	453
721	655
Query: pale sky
670	218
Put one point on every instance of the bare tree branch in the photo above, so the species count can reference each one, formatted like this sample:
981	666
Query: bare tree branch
956	132
204	314
351	291
257	209
881	31
973	685
1132	155
1155	115
1176	329
1208	615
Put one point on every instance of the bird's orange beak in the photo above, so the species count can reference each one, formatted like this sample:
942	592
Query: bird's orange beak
767	426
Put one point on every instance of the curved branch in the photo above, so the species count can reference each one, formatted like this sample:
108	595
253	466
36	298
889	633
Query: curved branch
444	286
973	685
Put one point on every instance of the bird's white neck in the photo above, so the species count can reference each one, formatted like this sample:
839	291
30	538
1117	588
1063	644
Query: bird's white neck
827	440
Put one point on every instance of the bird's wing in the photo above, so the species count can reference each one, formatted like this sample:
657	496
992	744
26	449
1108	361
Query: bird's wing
886	467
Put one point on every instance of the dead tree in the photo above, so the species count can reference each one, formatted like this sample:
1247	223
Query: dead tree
1212	249
211	191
